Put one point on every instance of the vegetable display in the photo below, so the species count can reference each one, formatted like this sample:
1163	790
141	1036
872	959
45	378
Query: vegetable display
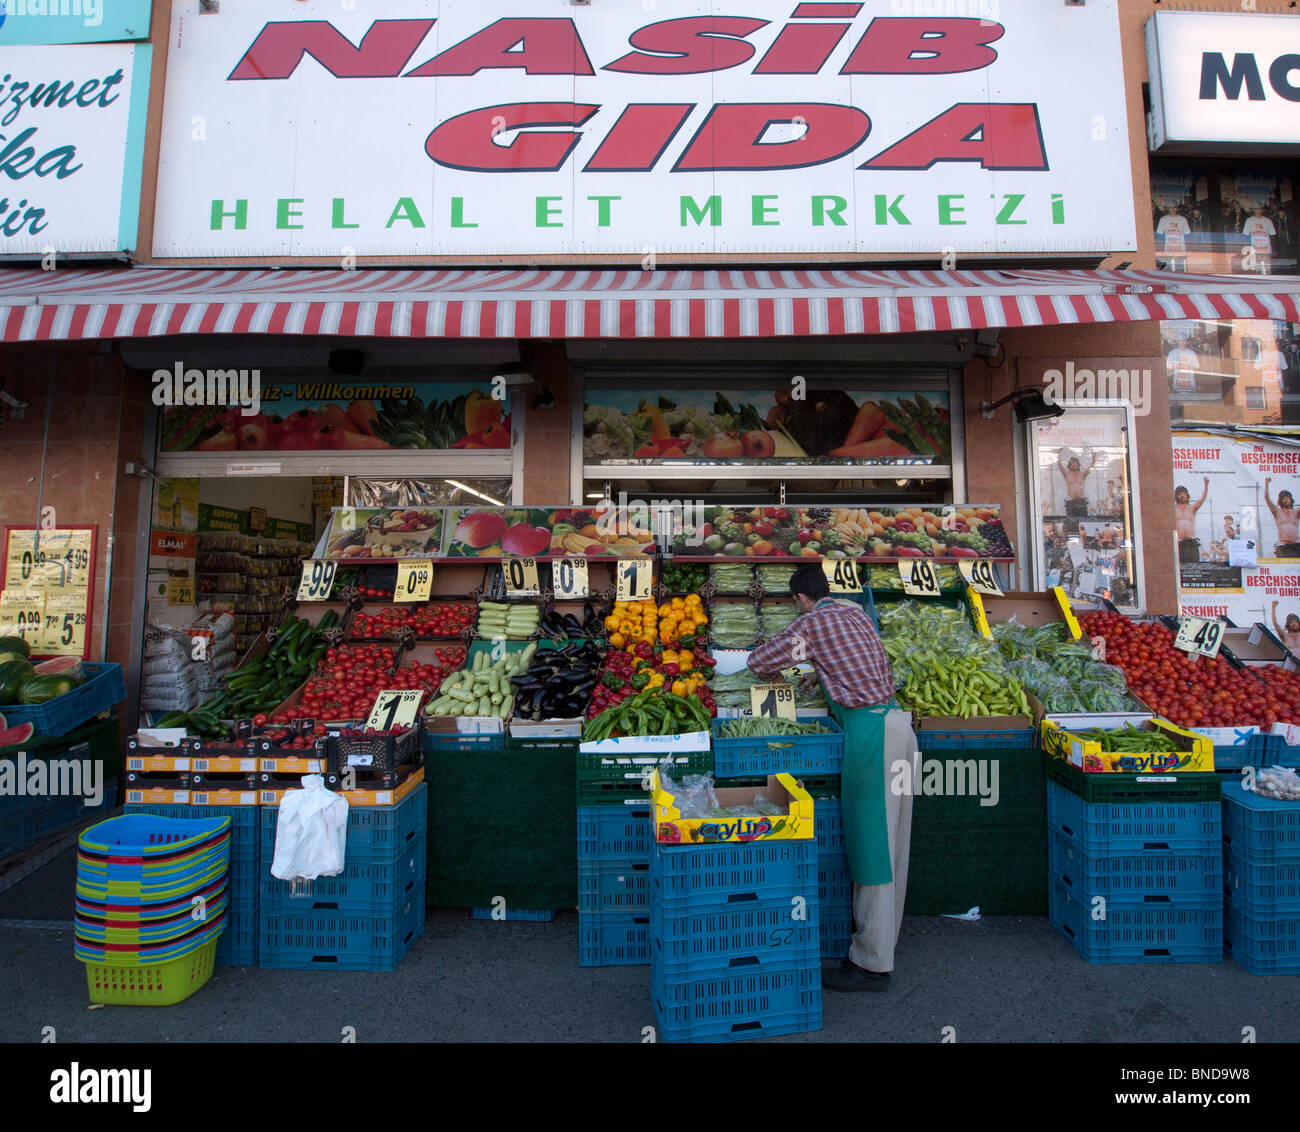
774	579
684	672
349	679
553	623
497	620
753	727
652	711
483	689
558	683
735	625
731	579
684	577
1126	740
1061	673
776	616
441	619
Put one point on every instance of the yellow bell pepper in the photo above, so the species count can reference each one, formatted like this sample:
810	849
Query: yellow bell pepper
617	640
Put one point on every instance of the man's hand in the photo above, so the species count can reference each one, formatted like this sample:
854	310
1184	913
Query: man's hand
808	682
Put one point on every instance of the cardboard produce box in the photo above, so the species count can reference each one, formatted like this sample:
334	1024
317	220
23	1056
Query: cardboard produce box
1027	607
984	722
1256	646
795	823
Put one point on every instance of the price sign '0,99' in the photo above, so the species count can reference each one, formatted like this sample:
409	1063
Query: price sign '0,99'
521	577
317	580
414	580
570	579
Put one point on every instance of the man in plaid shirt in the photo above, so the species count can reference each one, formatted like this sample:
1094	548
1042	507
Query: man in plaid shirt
842	644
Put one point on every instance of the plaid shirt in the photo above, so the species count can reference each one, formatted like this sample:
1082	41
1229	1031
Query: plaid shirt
842	644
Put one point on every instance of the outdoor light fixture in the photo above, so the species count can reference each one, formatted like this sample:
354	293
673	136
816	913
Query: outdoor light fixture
513	376
465	487
544	400
1028	404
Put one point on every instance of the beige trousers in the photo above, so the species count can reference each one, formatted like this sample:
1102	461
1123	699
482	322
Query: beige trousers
878	908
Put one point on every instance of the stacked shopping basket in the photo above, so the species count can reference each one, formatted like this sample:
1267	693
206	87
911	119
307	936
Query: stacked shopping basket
151	902
1261	847
1136	869
734	939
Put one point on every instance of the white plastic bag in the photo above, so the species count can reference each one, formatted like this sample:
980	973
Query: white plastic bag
311	836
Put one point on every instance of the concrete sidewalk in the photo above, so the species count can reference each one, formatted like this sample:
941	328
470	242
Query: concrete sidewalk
1002	979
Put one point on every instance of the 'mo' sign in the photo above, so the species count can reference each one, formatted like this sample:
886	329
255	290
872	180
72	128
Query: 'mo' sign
462	127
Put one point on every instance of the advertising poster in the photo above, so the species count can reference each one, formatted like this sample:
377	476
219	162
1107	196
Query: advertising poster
822	426
348	414
1234	494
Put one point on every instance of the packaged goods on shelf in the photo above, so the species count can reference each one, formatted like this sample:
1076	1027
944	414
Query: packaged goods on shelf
734	624
775	579
731	578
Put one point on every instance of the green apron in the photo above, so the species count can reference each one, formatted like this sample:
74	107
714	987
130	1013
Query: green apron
862	792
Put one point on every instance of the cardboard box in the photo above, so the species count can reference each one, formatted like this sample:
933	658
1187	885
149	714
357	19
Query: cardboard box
1256	646
463	725
1187	752
1027	607
223	797
649	744
546	728
794	824
984	722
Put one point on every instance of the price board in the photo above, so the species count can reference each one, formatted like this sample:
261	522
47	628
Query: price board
775	701
396	707
24	611
919	577
317	579
981	577
51	566
842	575
570	579
65	624
635	579
1199	635
180	591
521	577
414	580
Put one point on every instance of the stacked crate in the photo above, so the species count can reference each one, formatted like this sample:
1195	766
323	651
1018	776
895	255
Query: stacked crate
365	918
735	950
1261	846
816	760
614	841
1135	869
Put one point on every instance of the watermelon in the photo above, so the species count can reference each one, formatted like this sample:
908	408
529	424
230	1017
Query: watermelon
16	736
42	689
13	675
69	666
15	644
6	655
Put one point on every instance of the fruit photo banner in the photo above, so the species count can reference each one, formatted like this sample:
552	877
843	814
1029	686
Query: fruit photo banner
47	589
761	426
343	414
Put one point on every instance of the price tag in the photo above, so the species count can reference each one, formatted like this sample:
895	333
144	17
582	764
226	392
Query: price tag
414	580
774	701
919	577
317	579
980	576
180	591
842	575
25	611
521	577
635	577
1199	635
395	708
65	625
569	578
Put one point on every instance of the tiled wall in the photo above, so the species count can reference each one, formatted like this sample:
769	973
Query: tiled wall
96	421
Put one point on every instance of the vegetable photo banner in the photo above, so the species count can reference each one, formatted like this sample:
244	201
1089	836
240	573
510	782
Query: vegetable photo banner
789	425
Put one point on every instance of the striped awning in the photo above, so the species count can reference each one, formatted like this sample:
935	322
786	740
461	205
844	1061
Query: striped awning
582	303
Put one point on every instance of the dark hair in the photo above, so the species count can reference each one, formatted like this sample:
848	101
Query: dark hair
810	580
1180	490
1287	494
1291	617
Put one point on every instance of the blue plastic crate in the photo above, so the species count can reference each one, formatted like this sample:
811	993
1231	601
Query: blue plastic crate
367	888
1125	876
1016	739
375	833
338	941
828	829
772	933
1262	945
1099	828
614	832
530	915
105	686
792	754
237	945
1261	830
614	885
435	743
835	884
710	876
1263	891
1169	929
613	939
738	1006
836	934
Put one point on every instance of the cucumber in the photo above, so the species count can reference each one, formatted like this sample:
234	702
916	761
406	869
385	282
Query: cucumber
484	706
479	661
462	695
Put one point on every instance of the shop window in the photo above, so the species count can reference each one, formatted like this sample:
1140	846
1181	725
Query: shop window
1224	219
1255	399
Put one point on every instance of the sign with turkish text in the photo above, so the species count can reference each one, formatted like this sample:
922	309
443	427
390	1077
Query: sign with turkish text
638	130
28	22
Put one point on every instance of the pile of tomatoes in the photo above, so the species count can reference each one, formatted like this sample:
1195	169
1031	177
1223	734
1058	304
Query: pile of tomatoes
446	620
348	680
1188	690
285	740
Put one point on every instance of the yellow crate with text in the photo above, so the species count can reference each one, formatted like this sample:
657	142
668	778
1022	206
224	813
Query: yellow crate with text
795	823
1187	752
1027	607
273	797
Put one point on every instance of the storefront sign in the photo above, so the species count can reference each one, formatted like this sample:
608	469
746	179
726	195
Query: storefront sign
1224	78
72	125
616	129
28	22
